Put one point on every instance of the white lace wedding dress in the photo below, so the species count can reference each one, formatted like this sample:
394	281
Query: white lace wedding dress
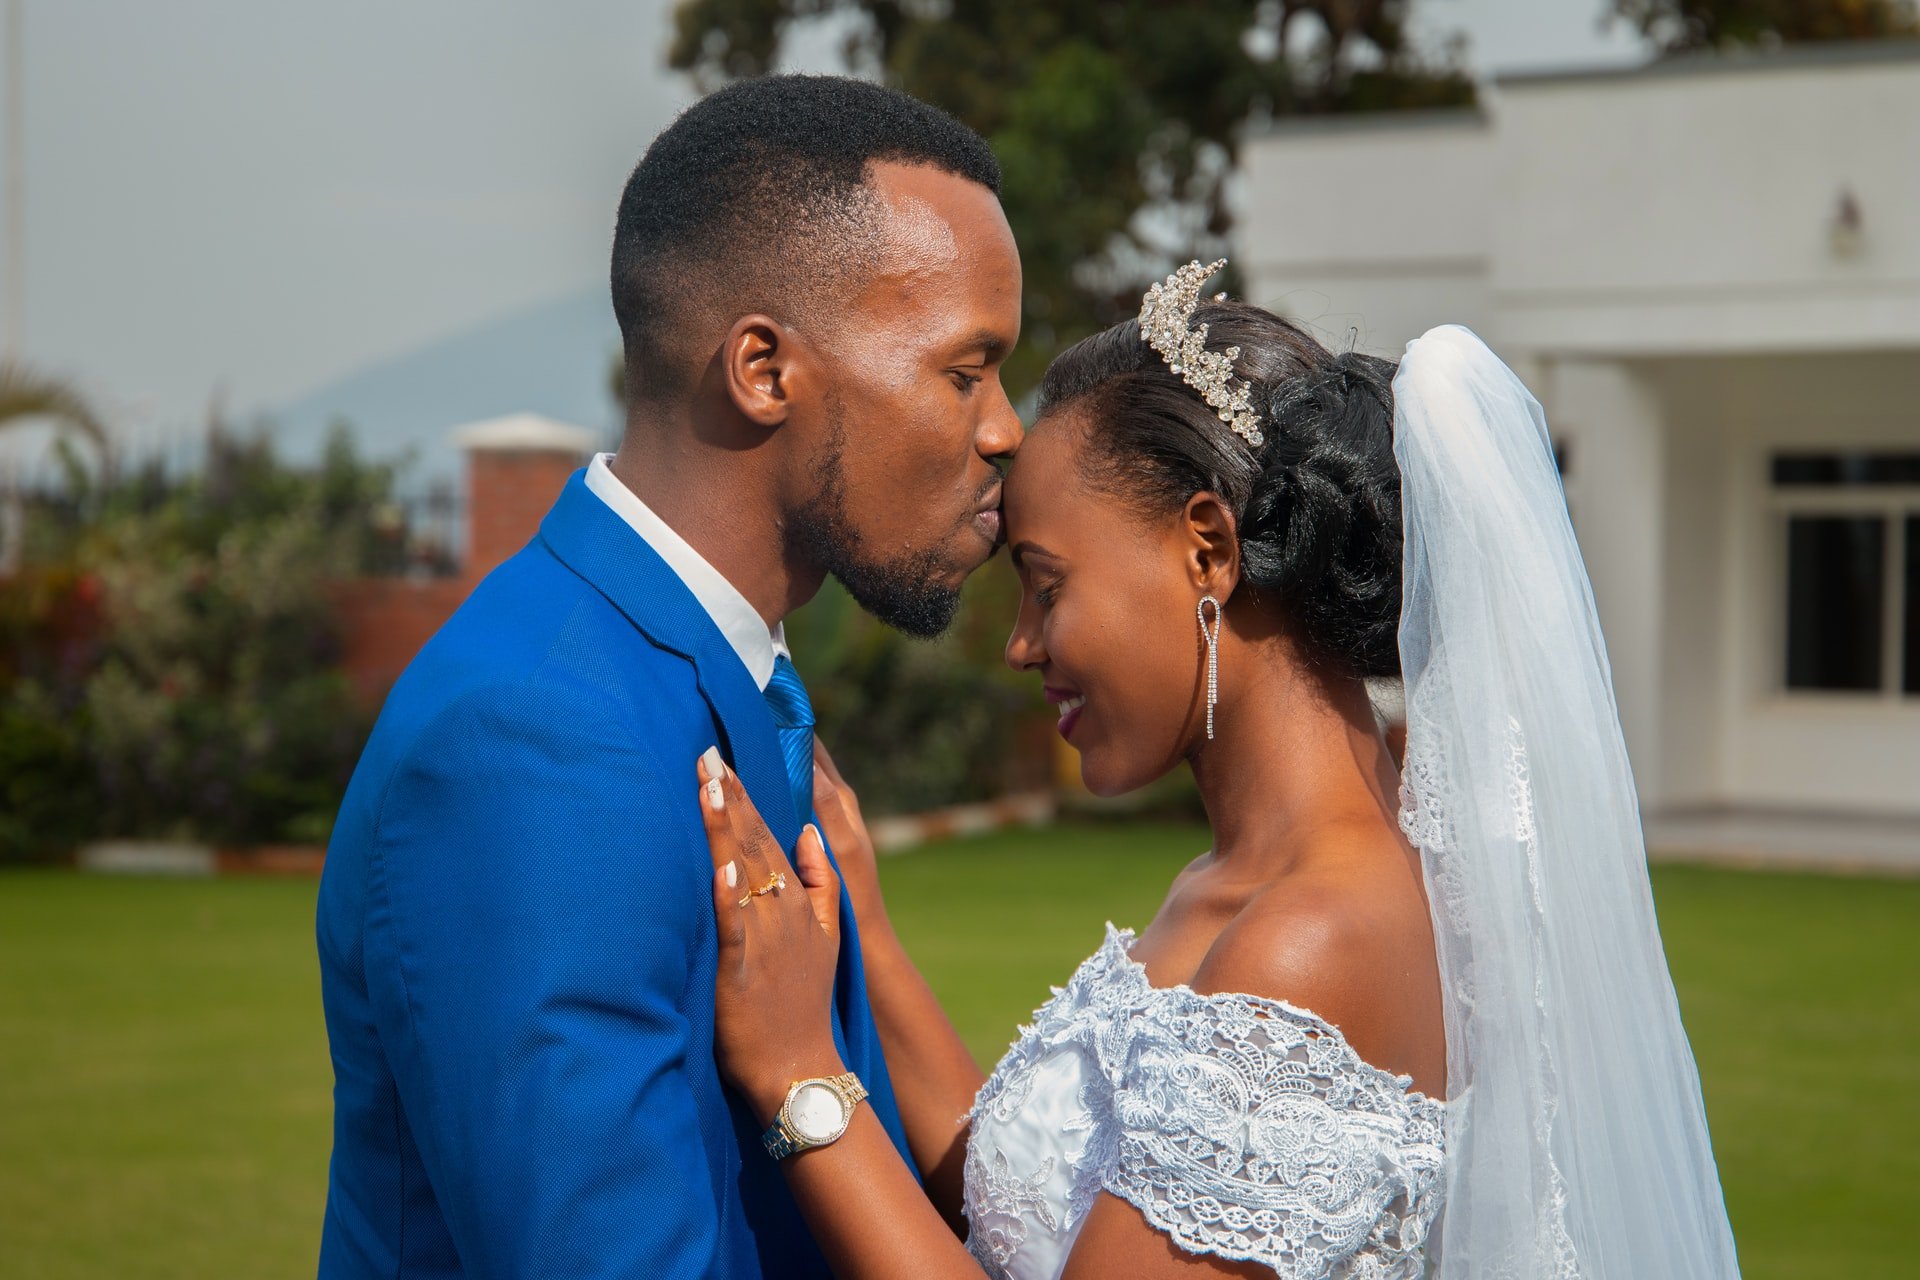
1242	1127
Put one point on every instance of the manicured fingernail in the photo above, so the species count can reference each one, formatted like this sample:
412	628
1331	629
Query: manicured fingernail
815	832
733	875
715	767
716	798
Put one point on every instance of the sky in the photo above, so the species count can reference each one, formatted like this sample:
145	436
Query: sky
249	203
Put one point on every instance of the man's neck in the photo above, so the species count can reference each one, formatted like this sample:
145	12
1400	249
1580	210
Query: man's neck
712	499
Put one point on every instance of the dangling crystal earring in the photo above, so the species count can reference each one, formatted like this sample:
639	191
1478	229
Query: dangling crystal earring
1212	636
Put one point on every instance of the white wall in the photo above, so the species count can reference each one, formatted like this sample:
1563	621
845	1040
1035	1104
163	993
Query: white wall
1668	211
1652	252
1611	420
1778	749
1658	213
1370	235
1695	593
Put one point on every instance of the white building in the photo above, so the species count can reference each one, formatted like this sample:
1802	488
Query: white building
1709	272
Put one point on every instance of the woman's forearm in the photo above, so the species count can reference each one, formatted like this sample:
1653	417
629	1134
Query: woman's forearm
934	1076
867	1213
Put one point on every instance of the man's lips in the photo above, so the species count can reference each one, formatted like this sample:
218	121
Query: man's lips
987	519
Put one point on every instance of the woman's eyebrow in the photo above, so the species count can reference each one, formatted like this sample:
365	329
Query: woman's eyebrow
1024	548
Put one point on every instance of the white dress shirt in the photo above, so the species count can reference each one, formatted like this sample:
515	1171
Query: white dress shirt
748	633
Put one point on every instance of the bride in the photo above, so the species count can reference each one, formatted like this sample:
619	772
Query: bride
1392	1023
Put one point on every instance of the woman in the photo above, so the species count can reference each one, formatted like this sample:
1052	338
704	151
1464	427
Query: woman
1377	1026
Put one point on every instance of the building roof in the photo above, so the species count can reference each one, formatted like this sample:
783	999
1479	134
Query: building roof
523	433
1822	54
1799	57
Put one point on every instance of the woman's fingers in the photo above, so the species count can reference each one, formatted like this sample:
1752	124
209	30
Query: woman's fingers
722	842
728	918
823	765
738	834
817	874
764	856
839	812
823	759
723	797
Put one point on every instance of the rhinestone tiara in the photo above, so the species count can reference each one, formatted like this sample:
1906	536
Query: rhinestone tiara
1166	322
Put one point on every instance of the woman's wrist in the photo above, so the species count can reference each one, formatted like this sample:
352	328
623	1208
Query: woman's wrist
765	1091
875	925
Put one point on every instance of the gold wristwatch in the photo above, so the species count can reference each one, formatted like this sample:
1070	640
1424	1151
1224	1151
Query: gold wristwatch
816	1112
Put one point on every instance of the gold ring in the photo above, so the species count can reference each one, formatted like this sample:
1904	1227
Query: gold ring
746	900
777	881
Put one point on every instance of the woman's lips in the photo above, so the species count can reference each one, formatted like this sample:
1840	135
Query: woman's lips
1070	714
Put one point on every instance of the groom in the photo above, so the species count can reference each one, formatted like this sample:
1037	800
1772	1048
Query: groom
815	286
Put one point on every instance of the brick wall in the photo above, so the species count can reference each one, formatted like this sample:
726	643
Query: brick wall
385	621
508	492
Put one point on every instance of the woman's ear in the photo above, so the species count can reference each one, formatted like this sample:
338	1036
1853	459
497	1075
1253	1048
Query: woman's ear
759	360
1212	539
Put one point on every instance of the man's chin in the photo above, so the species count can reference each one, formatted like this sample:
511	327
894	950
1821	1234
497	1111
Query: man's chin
921	606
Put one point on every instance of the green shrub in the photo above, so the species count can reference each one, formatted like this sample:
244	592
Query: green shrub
172	663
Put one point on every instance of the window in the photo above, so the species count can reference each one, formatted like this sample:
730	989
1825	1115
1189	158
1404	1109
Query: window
1852	571
1834	583
1910	659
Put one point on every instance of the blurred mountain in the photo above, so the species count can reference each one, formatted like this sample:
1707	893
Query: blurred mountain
550	359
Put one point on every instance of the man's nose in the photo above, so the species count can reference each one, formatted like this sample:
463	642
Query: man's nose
1001	430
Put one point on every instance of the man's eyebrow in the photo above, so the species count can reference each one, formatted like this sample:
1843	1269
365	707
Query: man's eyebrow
989	342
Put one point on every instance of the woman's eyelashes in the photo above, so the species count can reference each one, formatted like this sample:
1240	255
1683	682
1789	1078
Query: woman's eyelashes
1045	593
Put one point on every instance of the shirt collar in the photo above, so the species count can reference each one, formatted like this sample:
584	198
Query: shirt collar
745	630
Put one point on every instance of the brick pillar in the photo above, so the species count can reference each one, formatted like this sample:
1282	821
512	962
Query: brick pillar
516	467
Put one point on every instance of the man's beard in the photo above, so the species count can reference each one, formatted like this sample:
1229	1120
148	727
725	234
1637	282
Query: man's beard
906	593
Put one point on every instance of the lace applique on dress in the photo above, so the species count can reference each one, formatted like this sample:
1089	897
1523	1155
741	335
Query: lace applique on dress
1243	1128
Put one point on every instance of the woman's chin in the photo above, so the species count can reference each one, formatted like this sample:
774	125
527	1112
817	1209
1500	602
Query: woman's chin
1100	776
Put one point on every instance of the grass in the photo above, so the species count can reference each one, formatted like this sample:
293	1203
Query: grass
164	1083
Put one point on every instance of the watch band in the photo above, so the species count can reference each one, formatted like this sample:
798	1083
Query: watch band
782	1140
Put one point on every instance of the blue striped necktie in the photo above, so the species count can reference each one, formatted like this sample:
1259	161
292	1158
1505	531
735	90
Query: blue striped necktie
793	719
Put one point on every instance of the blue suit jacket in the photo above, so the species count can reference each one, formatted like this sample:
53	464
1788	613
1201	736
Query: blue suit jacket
517	941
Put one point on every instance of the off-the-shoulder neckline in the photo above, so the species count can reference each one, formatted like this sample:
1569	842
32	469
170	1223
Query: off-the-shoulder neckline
1120	941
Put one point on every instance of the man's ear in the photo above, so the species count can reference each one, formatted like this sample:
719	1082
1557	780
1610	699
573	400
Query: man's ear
1211	538
761	362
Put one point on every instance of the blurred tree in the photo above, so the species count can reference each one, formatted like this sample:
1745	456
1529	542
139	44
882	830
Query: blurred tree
27	395
1681	26
1115	122
169	656
1116	125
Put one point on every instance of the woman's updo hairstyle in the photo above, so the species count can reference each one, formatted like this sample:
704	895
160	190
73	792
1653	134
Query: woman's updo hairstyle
1317	503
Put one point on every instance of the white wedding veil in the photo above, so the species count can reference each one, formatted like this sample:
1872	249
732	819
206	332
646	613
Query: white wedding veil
1577	1141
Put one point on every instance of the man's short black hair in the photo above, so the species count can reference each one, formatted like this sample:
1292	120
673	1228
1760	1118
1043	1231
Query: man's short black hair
756	199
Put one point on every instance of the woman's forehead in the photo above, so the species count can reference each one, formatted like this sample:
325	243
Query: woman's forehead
1046	455
1043	484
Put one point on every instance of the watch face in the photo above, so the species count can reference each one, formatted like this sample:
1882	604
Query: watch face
816	1113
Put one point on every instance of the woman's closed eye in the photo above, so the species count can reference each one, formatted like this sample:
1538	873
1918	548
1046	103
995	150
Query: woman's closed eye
1046	593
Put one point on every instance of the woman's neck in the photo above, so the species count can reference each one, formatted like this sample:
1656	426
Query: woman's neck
1291	754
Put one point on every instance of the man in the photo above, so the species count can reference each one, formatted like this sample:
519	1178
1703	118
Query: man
815	286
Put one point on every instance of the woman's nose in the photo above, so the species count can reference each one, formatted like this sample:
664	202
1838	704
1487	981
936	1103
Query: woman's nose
1024	650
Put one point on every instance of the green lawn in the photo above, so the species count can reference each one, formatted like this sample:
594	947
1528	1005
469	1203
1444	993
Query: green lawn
163	1073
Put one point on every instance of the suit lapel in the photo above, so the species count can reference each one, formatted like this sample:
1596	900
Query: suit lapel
589	538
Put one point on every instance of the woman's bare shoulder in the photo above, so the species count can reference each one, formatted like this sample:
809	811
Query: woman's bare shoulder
1351	946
